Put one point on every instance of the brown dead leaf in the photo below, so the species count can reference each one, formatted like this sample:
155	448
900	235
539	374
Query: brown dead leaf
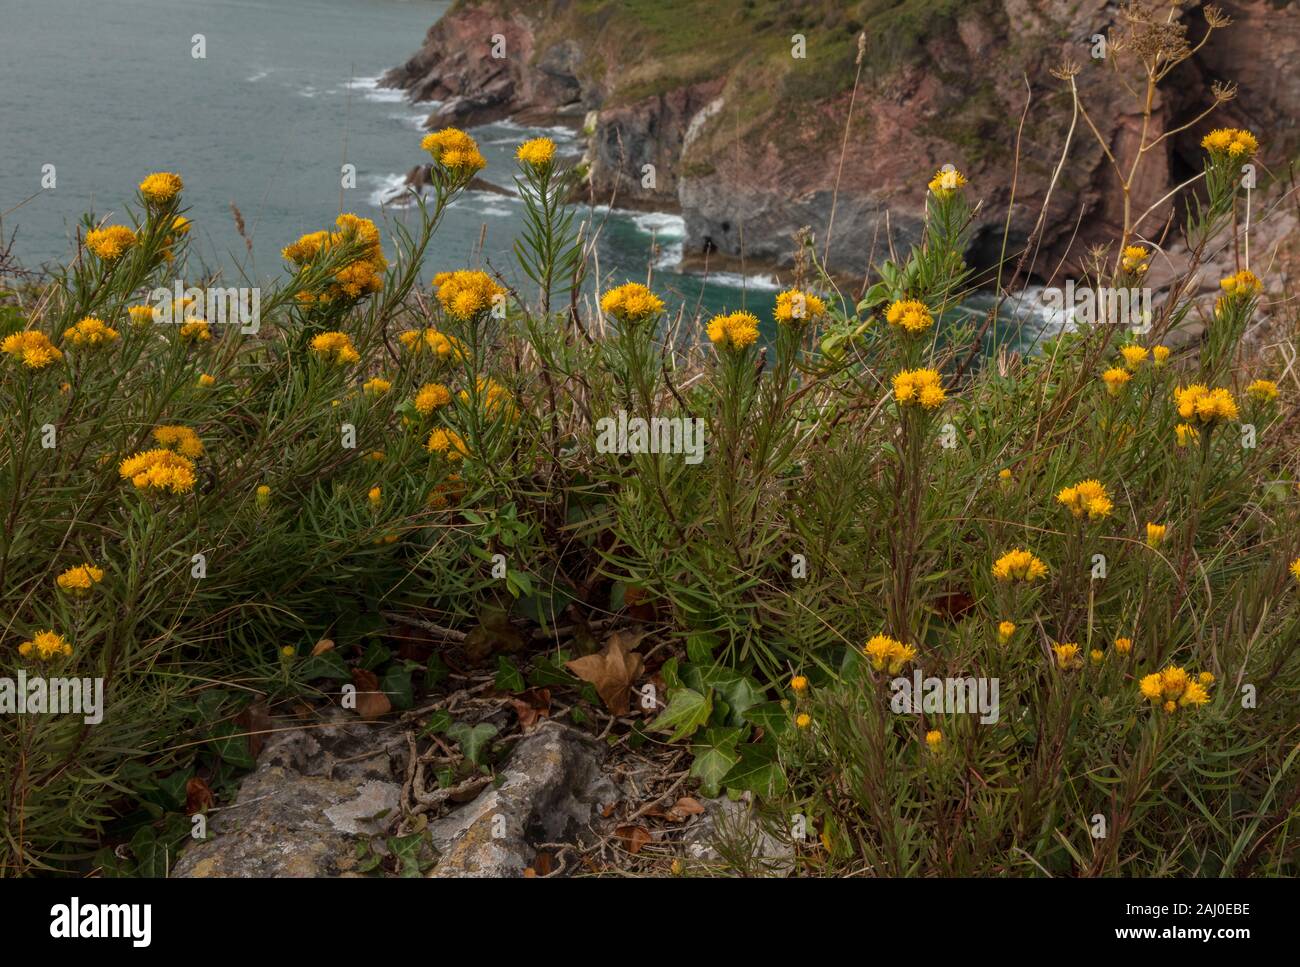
322	646
532	704
634	837
371	702
613	671
198	797
255	722
684	808
543	864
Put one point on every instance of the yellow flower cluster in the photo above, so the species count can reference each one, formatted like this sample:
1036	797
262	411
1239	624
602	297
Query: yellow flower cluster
1205	404
440	344
1019	565
736	330
1174	687
631	303
1123	645
161	187
1242	285
1155	534
110	243
335	347
795	307
196	330
1116	379
454	150
465	293
159	470
1160	354
537	152
492	395
91	332
45	645
376	386
361	275
80	579
1067	656
1087	497
934	740
1234	143
448	443
1005	630
946	181
1134	356
1295	569
885	651
1135	259
910	315
918	387
1262	390
430	397
179	438
141	316
32	348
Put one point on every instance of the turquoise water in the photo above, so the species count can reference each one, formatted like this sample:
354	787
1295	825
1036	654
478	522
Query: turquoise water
108	91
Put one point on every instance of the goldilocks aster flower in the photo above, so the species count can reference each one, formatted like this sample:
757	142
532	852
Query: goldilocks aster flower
631	303
910	315
32	348
161	187
465	293
734	331
1205	405
537	152
1263	390
795	307
45	645
448	443
110	243
179	438
1234	143
90	332
454	150
80	579
335	347
889	653
1173	687
161	470
918	387
1115	379
430	397
1086	498
1019	565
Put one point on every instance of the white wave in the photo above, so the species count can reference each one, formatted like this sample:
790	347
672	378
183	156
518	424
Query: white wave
415	121
558	133
371	91
257	77
734	280
662	225
385	189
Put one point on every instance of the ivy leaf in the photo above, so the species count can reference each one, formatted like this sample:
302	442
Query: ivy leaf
757	771
472	739
687	710
509	677
715	755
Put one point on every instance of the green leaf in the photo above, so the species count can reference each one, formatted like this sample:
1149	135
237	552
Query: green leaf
434	671
439	721
687	710
757	771
715	755
396	684
232	746
328	664
701	646
472	739
509	677
772	717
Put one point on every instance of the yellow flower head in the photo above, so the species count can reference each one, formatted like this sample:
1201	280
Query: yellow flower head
441	345
159	470
1186	433
335	347
262	496
1005	630
430	397
454	150
161	187
1206	405
196	330
1152	687
377	386
1262	390
631	303
799	683
90	332
32	348
1242	285
1206	678
1230	143
1295	569
80	579
1019	565
1194	694
1115	379
1135	259
1155	534
1067	656
110	243
737	330
448	443
1123	645
375	496
1086	498
796	307
141	316
536	153
1160	355
1134	356
45	645
887	652
179	438
910	315
1004	474
466	292
919	387
362	271
1097	655
946	181
803	720
934	739
205	380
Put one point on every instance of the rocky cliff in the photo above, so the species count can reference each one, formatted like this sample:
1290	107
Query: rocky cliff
741	109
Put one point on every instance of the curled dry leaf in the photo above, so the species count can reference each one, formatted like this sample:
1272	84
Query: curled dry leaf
371	701
198	797
633	837
322	646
